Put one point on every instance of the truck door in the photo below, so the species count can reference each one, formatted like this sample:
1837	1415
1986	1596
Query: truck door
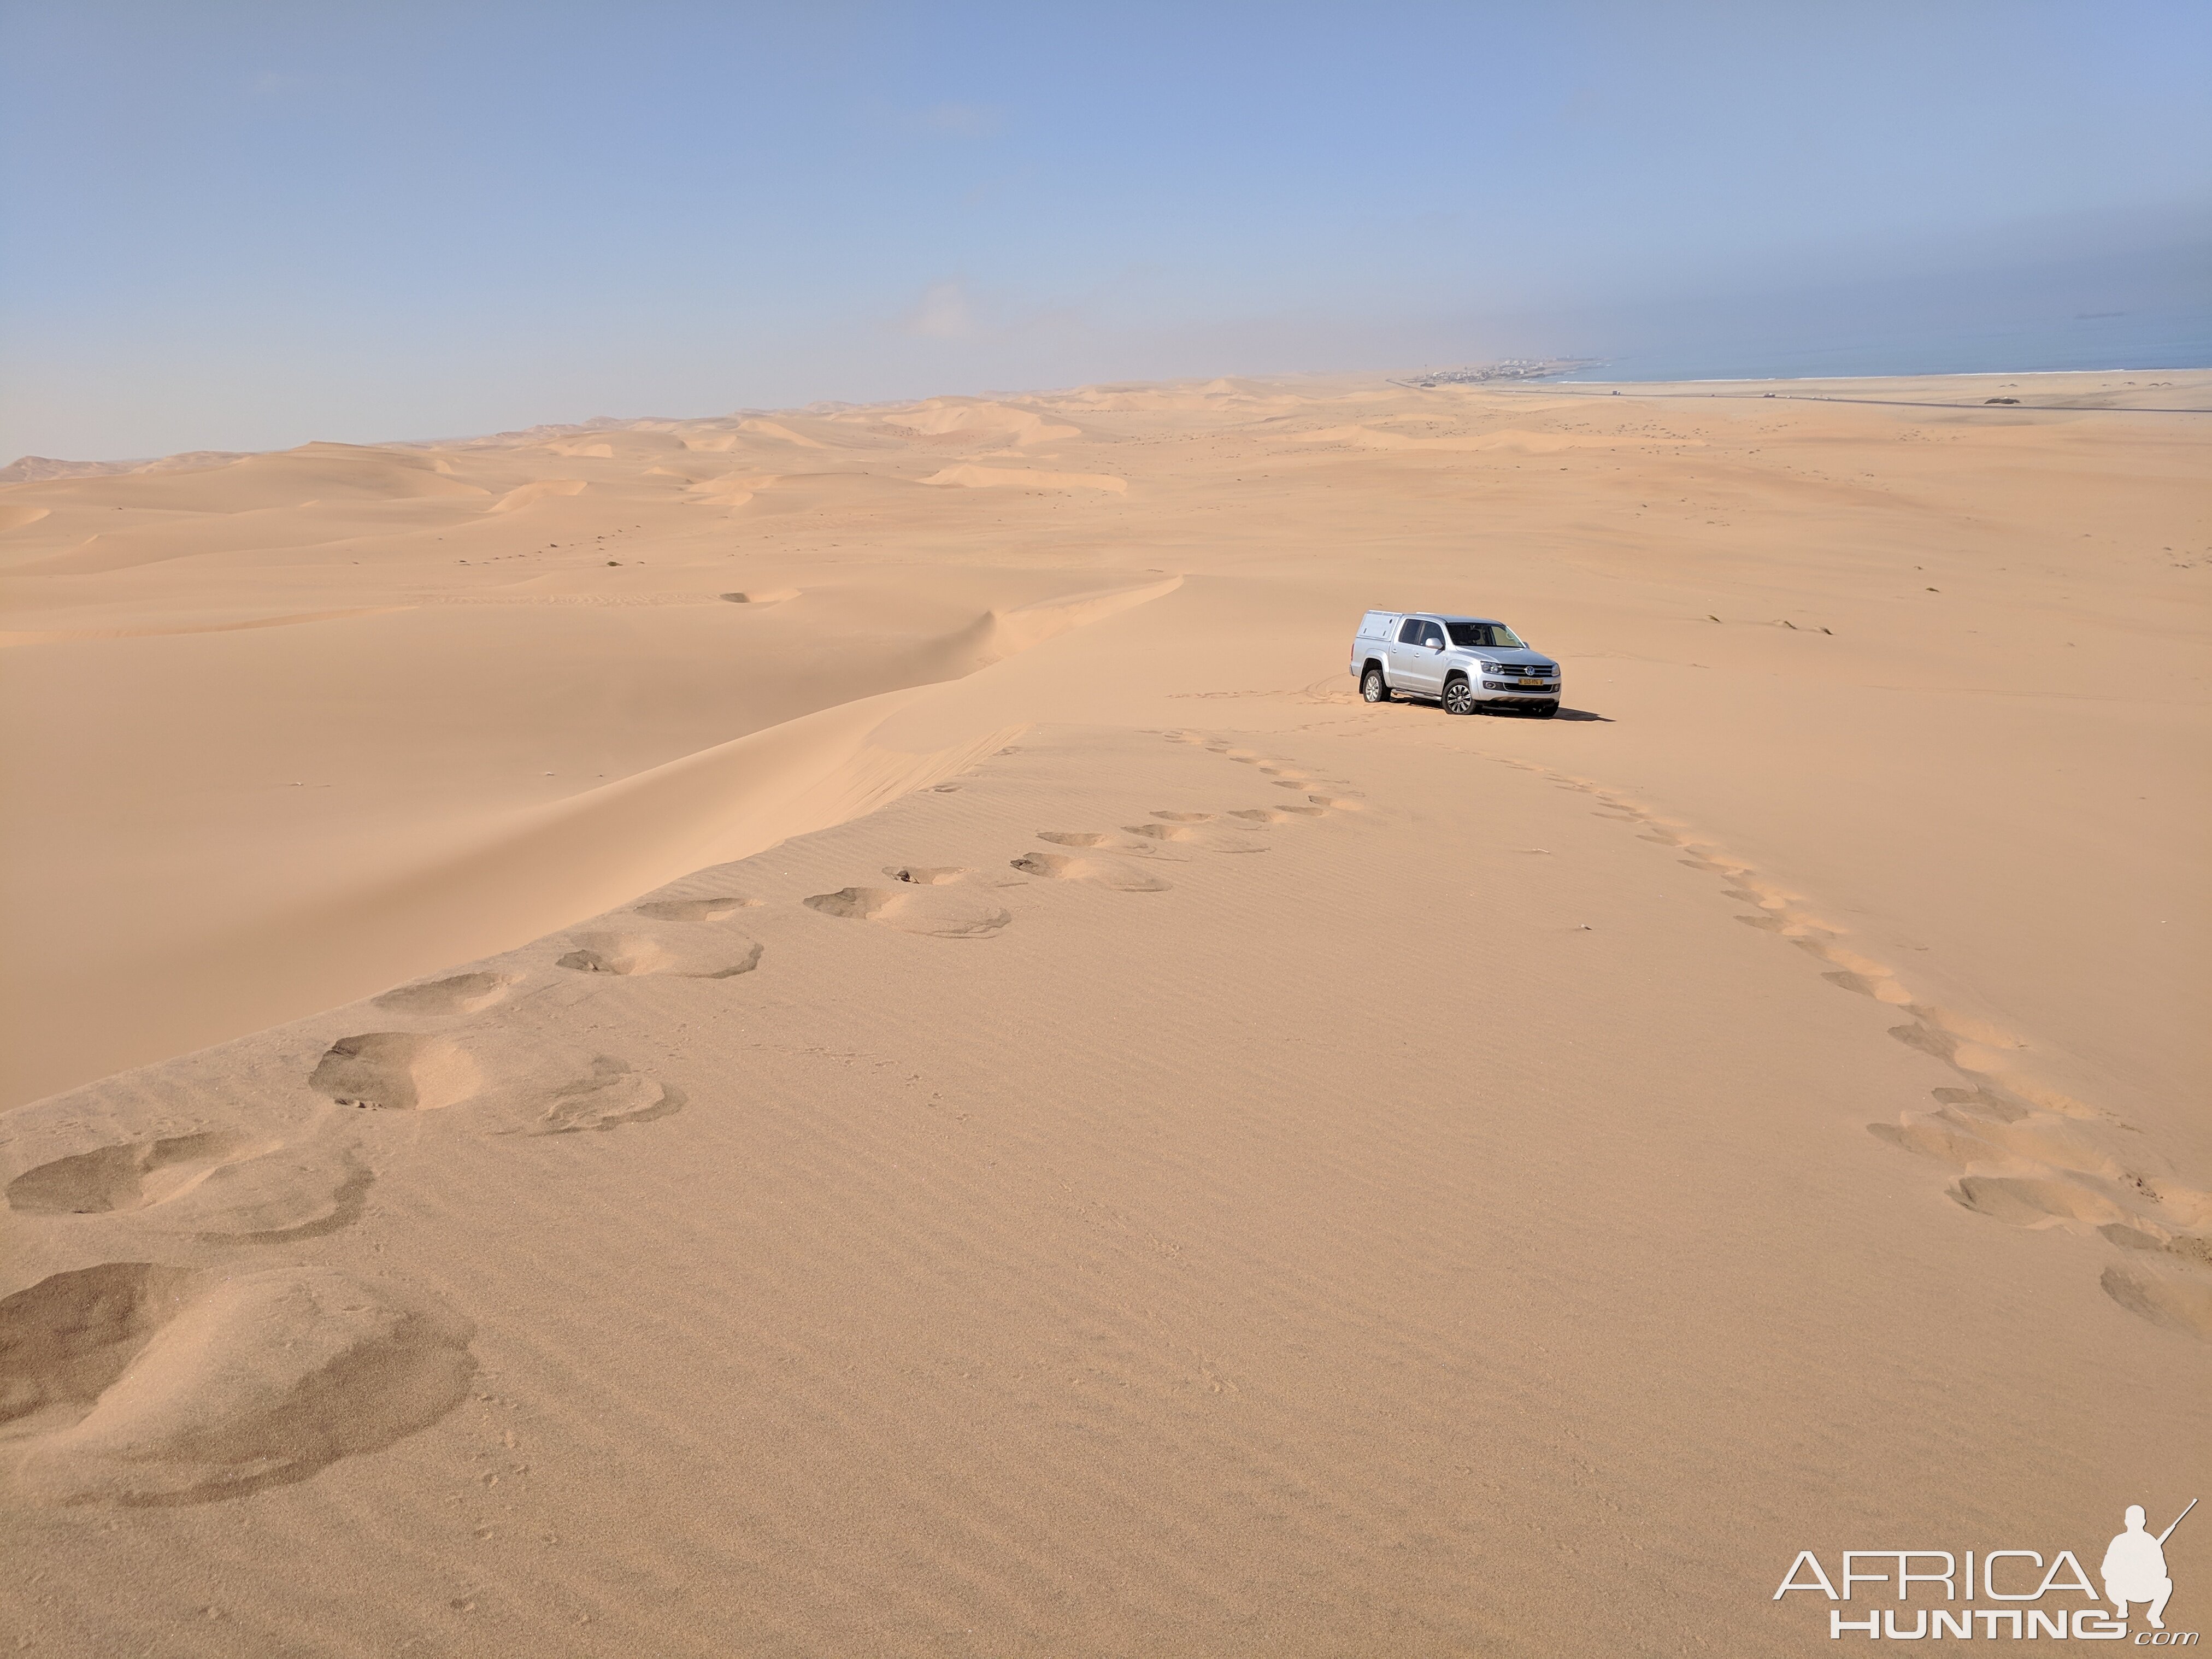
1433	644
1420	658
1407	659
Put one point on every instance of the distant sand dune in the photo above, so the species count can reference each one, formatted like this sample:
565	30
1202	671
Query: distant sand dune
51	636
941	416
1509	441
780	430
326	474
733	490
529	495
968	476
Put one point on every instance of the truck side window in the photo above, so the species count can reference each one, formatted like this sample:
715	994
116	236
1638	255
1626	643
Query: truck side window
1410	633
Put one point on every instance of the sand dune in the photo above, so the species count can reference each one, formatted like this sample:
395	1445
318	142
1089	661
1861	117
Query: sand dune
733	490
1509	440
783	431
909	1070
529	495
315	474
970	477
948	416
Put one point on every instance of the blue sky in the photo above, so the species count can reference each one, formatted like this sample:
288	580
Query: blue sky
240	226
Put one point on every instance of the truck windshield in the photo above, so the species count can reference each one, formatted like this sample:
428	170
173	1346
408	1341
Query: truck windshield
1484	636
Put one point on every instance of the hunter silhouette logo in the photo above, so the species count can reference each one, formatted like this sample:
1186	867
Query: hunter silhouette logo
2031	1591
2134	1566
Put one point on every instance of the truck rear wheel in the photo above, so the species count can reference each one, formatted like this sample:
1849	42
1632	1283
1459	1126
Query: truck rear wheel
1374	687
1459	696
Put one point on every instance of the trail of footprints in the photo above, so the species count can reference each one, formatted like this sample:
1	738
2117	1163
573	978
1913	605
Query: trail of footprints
132	1380
2018	1152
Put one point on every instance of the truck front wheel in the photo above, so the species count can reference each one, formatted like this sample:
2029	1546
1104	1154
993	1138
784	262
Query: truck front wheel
1459	696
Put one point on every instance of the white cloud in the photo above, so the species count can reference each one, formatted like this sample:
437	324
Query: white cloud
943	315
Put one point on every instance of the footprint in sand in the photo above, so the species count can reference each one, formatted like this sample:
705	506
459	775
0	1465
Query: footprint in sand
1096	840
461	993
2036	1168
2175	1296
697	910
1187	817
1882	989
912	908
1270	814
132	1382
2064	1143
926	875
701	953
1198	836
2032	1158
609	1096
1936	1135
1984	1102
397	1071
2038	1201
258	1184
1116	874
129	1176
1953	1048
278	1198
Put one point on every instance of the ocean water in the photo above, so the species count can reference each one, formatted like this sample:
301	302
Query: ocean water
2115	340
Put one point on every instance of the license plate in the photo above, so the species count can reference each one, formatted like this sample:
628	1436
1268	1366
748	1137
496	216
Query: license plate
1537	683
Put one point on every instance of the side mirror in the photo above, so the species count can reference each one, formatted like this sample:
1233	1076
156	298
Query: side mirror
1438	645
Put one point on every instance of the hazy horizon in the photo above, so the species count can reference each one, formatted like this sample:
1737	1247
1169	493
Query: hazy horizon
269	225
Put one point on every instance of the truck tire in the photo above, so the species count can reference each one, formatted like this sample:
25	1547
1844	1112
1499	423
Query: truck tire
1374	687
1544	711
1459	696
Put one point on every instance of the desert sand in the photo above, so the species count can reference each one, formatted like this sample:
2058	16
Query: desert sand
832	1031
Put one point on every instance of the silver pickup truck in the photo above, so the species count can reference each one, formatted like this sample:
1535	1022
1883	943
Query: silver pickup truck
1462	662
